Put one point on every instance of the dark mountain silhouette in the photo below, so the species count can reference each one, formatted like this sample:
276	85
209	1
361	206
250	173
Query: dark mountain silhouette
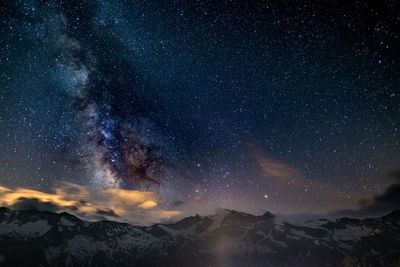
228	238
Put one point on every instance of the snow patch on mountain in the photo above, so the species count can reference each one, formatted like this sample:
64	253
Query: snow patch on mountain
351	232
24	230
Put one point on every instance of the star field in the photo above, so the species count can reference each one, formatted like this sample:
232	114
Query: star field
286	106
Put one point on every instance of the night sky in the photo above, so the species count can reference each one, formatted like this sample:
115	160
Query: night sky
286	106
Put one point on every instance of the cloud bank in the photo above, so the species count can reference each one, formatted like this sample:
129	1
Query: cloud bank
380	204
139	207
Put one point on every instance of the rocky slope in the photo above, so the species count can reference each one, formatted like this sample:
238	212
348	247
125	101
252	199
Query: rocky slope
228	238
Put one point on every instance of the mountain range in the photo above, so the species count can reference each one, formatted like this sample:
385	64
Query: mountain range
228	238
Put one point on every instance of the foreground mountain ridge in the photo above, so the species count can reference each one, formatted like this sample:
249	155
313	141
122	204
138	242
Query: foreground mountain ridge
228	238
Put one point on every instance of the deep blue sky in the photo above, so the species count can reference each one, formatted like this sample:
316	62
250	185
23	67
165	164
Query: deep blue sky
283	105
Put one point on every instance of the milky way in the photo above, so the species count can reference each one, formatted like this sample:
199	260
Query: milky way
103	89
280	106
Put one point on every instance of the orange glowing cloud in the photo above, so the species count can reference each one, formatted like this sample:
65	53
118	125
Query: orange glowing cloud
112	203
148	204
132	197
9	197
